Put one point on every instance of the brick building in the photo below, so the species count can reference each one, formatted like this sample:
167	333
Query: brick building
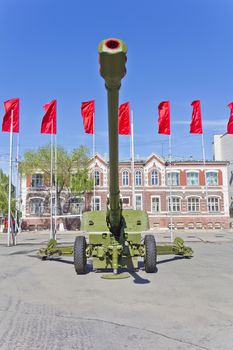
197	195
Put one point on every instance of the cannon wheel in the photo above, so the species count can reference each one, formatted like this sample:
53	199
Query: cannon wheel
150	259
80	259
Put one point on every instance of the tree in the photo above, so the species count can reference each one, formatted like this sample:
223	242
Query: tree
4	187
72	171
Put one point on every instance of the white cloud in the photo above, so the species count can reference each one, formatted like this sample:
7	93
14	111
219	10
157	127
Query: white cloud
206	123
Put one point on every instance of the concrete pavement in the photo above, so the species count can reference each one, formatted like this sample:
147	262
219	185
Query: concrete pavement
187	304
162	236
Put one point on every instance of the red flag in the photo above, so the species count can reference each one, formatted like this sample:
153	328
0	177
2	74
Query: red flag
49	121
164	118
124	119
230	121
11	111
196	123
88	110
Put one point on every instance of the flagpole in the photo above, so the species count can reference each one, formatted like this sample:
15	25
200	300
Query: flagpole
55	194
20	203
51	190
170	188
132	160
93	146
204	163
17	186
9	184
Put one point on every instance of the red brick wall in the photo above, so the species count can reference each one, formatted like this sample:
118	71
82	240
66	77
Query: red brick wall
202	178
28	181
47	181
182	178
220	180
147	201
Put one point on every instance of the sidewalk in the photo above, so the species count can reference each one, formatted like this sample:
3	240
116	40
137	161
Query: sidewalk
205	236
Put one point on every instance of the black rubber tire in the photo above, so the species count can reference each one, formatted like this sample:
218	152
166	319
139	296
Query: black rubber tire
80	259
150	260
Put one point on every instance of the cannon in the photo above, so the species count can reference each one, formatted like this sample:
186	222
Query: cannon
114	248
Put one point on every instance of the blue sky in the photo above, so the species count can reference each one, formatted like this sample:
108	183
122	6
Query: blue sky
177	50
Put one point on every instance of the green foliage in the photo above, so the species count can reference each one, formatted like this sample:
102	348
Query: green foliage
72	171
81	182
40	160
4	186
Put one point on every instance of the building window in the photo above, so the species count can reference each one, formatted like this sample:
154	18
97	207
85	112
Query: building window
97	178
194	204
192	179
96	205
138	202
76	205
36	206
37	180
211	178
154	204
125	201
174	204
213	204
154	178
173	179
138	178
125	178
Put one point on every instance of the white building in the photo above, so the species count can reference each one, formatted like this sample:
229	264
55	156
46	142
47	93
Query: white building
223	151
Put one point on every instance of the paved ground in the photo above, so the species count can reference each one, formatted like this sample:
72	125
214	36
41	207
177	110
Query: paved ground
187	304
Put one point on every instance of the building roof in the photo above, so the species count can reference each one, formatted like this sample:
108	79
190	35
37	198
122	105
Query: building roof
178	161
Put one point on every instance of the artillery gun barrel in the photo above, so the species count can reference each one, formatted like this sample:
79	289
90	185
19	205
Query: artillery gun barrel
112	58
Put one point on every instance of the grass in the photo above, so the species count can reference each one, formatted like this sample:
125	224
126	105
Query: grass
95	221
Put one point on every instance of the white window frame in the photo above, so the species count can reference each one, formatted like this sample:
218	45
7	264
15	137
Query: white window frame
154	177
74	202
173	172
159	209
213	172
213	204
125	177
138	178
93	205
35	181
196	205
141	207
97	177
176	204
192	172
33	213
